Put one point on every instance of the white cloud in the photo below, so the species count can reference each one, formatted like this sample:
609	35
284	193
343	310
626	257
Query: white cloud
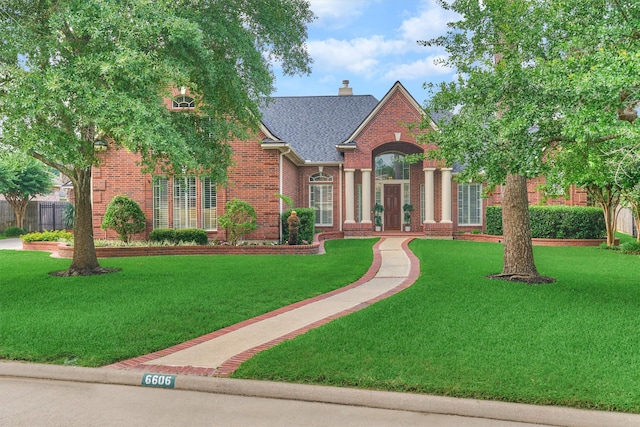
431	22
338	13
360	55
417	70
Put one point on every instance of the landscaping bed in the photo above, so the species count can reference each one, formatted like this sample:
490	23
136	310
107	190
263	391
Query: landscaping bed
63	250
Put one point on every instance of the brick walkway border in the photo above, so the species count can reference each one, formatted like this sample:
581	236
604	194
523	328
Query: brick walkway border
229	366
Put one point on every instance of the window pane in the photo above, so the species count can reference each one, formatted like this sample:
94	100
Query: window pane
321	199
469	204
184	202
209	205
391	166
160	202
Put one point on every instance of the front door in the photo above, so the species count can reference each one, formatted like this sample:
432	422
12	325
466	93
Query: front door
392	211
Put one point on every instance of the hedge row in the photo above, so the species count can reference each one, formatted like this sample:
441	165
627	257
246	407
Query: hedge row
47	236
175	236
555	222
307	224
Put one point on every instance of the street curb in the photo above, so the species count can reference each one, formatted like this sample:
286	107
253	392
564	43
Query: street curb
515	412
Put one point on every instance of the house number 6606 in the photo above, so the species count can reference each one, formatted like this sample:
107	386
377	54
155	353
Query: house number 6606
159	380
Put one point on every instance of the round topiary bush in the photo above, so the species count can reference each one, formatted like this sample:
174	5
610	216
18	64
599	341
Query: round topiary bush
124	216
14	232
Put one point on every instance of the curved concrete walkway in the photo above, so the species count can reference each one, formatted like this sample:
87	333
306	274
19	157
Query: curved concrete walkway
394	268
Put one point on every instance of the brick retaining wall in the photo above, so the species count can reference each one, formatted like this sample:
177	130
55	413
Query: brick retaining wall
63	251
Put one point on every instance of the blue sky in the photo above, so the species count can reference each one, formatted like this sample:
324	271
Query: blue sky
371	43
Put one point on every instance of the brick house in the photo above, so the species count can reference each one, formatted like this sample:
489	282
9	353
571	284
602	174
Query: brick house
337	154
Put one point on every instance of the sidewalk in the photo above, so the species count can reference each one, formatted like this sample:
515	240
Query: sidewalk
220	353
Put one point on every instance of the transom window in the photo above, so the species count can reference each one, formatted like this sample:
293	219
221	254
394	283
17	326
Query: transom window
320	177
183	102
391	165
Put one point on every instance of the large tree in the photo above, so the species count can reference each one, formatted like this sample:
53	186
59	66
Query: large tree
22	178
77	72
502	123
534	77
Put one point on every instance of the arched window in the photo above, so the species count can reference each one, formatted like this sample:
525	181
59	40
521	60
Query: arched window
391	165
320	177
321	198
183	101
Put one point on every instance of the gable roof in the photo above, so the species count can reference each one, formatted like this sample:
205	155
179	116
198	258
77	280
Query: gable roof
314	125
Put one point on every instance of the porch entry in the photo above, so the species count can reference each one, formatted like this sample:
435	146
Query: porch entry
392	206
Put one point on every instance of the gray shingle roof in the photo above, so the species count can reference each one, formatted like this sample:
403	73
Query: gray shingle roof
314	125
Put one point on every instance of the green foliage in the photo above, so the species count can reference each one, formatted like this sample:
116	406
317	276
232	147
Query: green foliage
87	71
14	232
286	199
407	208
124	216
306	230
180	235
163	235
48	236
555	222
632	248
68	216
377	214
196	235
239	218
493	219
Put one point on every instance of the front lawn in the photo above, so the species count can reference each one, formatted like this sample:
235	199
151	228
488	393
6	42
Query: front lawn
154	302
575	342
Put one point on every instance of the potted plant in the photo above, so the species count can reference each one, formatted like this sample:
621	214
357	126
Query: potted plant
407	208
377	212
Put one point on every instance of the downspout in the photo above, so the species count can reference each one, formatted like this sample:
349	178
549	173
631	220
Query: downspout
341	202
281	184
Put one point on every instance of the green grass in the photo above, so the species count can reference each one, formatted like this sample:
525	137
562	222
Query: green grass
154	302
575	342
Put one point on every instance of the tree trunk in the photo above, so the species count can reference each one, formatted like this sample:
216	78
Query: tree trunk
608	198
85	260
19	207
518	250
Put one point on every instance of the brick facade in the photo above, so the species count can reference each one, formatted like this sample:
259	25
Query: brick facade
262	171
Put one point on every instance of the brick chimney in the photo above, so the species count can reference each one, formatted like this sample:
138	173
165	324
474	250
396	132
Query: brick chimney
345	90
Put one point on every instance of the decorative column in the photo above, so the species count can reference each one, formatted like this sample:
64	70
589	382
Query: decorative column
446	195
429	199
366	196
349	196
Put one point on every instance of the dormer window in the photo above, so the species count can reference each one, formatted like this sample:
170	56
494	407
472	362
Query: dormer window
183	101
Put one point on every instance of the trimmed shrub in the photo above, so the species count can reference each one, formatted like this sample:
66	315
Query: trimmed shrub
555	222
630	248
306	230
124	216
493	217
162	235
175	236
47	236
239	218
14	232
195	235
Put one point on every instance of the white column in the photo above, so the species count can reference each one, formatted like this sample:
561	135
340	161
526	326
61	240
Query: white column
429	199
446	195
349	196
366	196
